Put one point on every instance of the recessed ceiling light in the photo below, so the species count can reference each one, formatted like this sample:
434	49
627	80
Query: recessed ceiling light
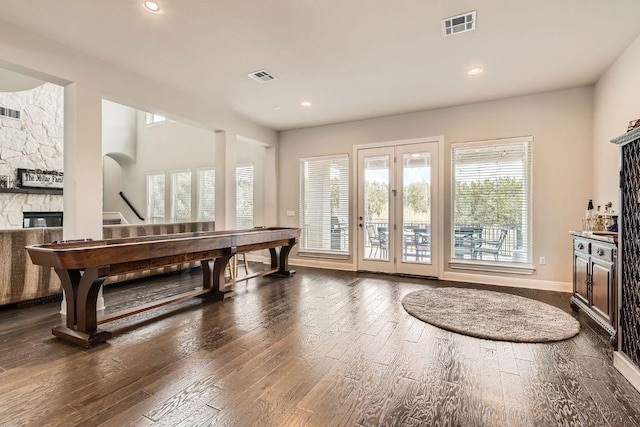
475	70
276	108
305	104
152	7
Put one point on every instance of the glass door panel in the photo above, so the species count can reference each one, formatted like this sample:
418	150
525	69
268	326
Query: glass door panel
375	182
417	177
376	206
416	207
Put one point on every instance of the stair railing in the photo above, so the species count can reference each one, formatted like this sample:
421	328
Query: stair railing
131	206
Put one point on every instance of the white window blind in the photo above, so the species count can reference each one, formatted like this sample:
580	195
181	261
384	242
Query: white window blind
155	198
324	204
181	196
492	200
206	194
244	197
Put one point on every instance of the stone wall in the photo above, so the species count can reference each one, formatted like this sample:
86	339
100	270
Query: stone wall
35	141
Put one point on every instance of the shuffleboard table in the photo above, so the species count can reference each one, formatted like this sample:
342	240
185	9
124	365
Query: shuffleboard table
83	266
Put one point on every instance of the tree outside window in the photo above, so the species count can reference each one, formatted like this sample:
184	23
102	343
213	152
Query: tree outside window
491	195
155	198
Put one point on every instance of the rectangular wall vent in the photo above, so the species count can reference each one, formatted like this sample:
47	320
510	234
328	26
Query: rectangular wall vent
8	112
459	24
261	76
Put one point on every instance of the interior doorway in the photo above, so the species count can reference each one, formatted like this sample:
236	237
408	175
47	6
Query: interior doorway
397	208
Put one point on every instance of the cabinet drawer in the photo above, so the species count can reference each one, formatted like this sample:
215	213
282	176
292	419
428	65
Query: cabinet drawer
580	245
602	252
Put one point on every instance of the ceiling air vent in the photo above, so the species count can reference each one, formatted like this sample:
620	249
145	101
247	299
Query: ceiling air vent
459	24
261	76
8	112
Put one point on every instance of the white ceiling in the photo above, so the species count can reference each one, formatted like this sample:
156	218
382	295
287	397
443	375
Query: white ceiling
353	59
11	81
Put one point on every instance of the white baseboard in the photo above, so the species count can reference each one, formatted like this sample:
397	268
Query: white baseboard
626	367
327	265
313	263
514	282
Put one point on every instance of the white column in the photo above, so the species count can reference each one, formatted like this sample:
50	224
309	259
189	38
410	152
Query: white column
82	165
225	180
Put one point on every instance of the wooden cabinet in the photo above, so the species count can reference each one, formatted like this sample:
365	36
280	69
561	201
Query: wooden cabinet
627	359
594	279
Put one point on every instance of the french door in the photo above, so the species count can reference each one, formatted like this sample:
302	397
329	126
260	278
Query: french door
397	206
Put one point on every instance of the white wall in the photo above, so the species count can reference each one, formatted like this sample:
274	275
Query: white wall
111	187
119	131
560	122
617	102
164	147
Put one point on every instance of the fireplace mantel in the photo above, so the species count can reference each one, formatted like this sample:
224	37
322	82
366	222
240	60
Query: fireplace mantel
25	190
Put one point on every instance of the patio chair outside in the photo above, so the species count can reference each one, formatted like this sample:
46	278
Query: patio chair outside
422	242
373	239
492	246
383	236
467	241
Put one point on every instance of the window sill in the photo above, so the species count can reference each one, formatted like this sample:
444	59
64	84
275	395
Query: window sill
305	253
492	267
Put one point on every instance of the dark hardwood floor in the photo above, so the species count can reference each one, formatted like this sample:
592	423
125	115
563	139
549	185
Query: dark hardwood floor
322	348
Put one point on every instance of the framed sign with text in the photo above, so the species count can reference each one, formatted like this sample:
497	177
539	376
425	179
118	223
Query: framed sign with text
36	178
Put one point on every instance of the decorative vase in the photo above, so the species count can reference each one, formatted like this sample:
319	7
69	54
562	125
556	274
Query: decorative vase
614	226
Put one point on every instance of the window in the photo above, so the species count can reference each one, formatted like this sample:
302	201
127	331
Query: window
244	197
155	198
152	119
324	204
492	201
206	194
181	196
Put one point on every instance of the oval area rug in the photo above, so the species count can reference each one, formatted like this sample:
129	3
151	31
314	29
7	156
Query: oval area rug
491	315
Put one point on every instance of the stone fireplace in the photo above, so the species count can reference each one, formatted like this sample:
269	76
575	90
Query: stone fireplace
35	140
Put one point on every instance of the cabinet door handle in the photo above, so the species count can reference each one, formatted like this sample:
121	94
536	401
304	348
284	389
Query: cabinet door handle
600	252
580	246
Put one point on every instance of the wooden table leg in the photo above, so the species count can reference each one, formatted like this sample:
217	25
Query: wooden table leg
280	259
213	276
81	290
